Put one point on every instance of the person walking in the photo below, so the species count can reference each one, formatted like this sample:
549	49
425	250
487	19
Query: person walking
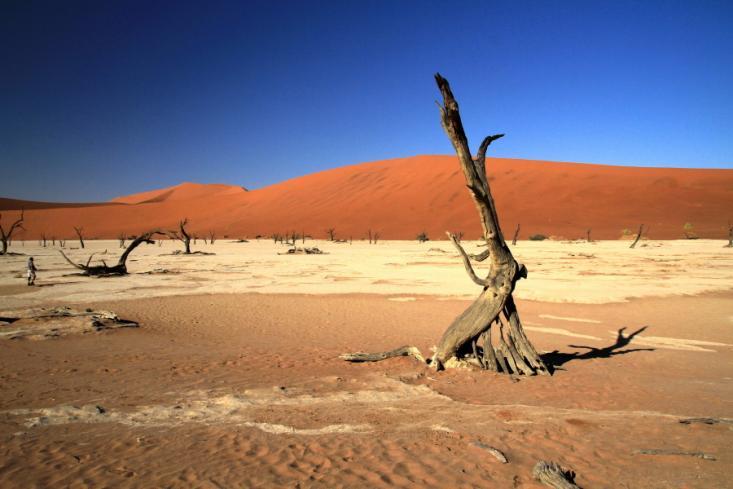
31	271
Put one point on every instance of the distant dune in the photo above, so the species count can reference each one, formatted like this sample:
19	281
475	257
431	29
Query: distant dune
400	198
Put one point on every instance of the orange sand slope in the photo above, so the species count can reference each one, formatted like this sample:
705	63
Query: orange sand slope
401	197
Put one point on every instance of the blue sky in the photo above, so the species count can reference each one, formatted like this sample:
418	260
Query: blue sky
99	99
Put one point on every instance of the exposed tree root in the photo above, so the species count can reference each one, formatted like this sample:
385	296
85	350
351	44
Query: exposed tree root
404	351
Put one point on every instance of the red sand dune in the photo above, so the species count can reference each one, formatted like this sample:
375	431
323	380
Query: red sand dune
399	198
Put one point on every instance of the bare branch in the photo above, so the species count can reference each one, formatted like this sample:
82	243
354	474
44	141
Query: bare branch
467	262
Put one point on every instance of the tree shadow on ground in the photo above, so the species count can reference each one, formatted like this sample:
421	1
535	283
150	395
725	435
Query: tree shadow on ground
556	359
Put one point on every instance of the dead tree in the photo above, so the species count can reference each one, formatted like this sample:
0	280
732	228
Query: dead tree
638	237
121	267
516	235
43	239
53	240
373	237
182	235
62	242
423	237
78	231
587	236
7	236
331	232
730	236
212	237
121	239
468	340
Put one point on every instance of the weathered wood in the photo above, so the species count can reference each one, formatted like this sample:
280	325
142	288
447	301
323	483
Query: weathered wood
42	323
659	451
504	270
121	267
552	475
403	351
638	236
495	452
7	236
706	420
458	345
516	235
78	231
182	236
490	362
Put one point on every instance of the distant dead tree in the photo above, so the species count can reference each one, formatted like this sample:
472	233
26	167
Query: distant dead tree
62	242
212	237
460	342
43	239
276	237
53	240
78	231
516	235
638	236
423	237
195	237
587	236
182	235
730	235
302	236
121	267
331	232
373	236
121	239
7	236
459	236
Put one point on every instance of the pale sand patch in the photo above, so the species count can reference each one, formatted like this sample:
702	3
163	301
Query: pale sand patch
393	268
558	331
401	299
575	320
675	343
237	409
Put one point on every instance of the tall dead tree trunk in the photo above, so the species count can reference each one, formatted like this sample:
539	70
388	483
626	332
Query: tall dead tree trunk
78	231
7	236
638	236
469	338
121	267
121	239
587	236
331	232
516	234
182	236
212	237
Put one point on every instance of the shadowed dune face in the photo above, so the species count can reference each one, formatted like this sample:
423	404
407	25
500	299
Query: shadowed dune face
402	197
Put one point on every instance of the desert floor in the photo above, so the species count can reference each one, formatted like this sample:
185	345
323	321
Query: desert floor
233	377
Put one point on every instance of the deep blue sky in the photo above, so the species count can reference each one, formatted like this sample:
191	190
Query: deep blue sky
99	99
